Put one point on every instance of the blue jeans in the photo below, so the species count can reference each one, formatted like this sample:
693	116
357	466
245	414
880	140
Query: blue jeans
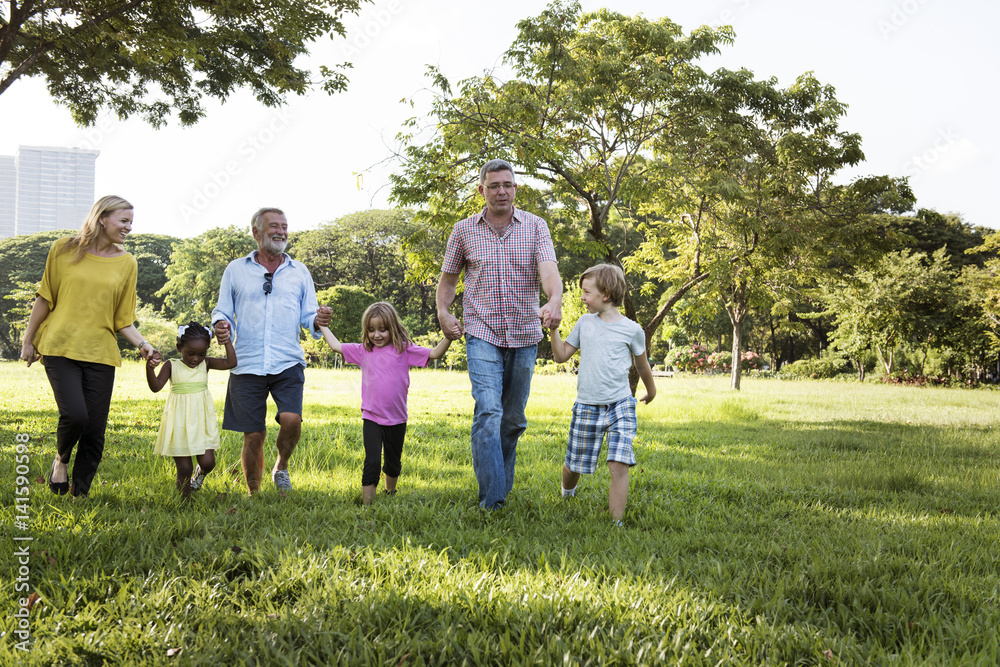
501	381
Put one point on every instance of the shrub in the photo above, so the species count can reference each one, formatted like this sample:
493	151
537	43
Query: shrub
549	367
827	367
751	361
720	361
689	359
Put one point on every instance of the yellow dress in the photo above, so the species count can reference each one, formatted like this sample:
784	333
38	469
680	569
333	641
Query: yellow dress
189	426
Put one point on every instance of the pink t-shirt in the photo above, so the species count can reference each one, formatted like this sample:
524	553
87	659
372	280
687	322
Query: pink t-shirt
385	379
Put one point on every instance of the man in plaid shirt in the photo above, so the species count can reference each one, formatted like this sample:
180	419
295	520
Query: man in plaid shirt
506	254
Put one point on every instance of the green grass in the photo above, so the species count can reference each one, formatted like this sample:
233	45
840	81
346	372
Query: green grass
792	523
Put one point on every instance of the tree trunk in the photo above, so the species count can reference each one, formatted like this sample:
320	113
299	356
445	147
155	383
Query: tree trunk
774	343
737	351
886	361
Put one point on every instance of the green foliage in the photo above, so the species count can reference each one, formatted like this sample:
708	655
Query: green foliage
549	367
194	273
906	297
374	250
590	93
815	369
456	357
720	361
782	525
162	333
155	58
349	303
928	231
753	176
152	253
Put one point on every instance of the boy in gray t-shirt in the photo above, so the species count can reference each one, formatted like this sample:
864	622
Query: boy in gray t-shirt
608	342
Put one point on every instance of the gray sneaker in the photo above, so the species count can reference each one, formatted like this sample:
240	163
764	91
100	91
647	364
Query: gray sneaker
281	480
197	478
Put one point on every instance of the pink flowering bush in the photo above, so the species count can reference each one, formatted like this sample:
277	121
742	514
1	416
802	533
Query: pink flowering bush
689	359
751	361
721	361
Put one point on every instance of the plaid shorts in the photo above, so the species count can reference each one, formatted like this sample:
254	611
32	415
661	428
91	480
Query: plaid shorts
590	424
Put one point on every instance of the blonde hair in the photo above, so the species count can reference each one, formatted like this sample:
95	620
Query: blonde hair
609	280
390	318
90	229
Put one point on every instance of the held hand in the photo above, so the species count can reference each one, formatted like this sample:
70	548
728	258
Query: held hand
29	354
551	314
451	326
222	332
324	315
150	354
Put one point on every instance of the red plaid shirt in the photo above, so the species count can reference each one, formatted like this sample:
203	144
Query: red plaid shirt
500	302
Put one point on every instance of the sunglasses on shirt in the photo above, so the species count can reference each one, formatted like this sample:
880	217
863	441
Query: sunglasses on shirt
268	278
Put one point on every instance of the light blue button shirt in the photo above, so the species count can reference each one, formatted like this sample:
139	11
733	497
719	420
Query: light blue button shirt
267	326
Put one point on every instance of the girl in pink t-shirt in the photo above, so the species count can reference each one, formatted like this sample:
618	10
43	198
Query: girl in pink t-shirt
385	356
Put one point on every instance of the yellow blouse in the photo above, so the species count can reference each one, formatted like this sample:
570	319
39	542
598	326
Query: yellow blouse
89	302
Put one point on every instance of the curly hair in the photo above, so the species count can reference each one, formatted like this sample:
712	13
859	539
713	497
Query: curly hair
194	331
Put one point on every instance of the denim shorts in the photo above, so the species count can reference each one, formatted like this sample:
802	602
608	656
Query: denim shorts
589	426
246	398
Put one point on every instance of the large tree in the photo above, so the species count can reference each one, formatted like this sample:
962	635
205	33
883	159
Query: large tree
751	182
589	95
155	58
152	253
906	298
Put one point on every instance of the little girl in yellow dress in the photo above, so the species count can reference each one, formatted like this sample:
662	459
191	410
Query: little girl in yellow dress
189	426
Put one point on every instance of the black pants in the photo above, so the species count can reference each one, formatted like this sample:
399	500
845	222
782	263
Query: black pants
83	395
376	438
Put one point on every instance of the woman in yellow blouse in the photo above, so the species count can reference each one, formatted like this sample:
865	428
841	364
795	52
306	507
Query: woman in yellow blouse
86	295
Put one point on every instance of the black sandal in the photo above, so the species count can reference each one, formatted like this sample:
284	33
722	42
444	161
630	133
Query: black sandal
58	488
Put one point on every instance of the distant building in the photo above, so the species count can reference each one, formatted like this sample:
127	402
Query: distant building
44	188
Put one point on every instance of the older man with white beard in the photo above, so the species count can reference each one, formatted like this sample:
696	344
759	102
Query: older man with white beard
266	298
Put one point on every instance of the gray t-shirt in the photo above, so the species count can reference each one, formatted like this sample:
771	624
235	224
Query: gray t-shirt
605	358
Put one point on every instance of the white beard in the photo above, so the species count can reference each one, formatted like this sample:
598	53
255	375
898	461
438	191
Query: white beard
274	247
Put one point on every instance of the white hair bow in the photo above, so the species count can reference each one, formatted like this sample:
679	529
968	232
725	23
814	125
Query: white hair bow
182	328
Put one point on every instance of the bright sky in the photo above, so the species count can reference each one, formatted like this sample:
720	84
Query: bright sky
920	78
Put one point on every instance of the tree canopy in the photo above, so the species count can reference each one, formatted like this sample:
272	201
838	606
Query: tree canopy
195	271
714	176
377	251
155	58
590	94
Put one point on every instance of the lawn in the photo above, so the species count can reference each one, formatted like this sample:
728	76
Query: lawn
789	523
